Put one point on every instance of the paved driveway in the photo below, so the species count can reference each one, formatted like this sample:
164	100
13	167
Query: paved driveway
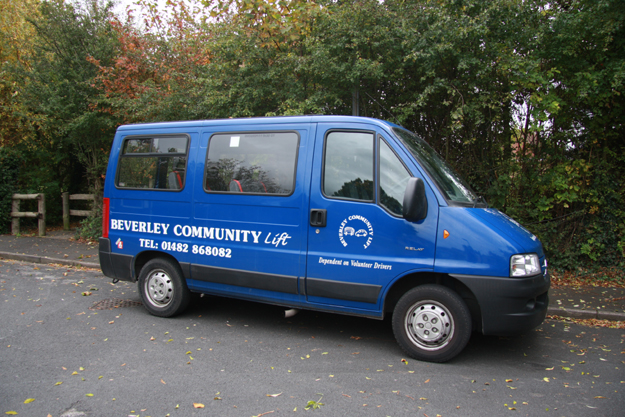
101	354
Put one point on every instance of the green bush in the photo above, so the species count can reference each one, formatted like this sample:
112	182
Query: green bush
91	227
10	162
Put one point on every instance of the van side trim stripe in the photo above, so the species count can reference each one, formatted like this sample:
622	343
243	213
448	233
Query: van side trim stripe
249	279
365	293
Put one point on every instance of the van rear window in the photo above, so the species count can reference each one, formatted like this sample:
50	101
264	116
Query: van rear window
252	163
157	163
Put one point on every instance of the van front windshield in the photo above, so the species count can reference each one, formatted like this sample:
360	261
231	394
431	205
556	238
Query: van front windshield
449	182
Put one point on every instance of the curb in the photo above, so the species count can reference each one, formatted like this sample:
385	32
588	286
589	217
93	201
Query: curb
586	314
45	260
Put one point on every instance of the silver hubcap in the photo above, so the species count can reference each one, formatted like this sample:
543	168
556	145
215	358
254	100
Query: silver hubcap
159	288
429	325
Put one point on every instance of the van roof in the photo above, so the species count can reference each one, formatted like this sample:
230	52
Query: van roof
260	121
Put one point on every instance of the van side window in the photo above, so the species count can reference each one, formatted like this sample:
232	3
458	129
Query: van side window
393	179
157	163
348	165
252	163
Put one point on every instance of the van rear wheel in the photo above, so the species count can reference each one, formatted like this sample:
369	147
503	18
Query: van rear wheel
163	290
432	323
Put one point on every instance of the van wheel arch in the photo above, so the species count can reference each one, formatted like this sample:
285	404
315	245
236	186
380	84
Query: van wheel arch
410	281
144	257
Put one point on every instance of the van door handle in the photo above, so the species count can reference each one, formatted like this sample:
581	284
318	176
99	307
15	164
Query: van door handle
318	217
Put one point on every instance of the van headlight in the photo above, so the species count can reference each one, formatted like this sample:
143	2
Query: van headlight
524	265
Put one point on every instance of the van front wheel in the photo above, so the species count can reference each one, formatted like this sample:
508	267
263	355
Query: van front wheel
432	323
163	290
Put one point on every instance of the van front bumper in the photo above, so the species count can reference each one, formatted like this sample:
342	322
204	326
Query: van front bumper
509	305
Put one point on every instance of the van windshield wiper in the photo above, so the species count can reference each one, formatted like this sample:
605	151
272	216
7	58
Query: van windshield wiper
480	199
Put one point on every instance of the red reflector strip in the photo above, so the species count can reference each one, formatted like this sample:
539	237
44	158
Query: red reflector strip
105	217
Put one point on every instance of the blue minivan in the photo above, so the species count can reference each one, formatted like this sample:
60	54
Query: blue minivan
340	214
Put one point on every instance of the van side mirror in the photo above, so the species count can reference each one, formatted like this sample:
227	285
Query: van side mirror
415	203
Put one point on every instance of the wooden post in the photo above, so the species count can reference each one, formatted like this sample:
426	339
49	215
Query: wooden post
15	222
41	215
16	214
65	197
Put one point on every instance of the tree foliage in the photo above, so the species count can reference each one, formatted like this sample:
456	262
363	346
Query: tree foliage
16	36
10	161
62	135
59	83
524	98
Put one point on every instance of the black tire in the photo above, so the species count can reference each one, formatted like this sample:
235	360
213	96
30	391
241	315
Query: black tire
163	290
432	323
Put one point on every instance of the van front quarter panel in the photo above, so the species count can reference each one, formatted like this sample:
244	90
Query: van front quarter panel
311	212
478	255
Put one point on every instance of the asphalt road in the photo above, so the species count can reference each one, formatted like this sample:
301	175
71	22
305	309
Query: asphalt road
66	354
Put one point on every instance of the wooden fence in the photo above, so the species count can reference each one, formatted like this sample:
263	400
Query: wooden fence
16	214
81	213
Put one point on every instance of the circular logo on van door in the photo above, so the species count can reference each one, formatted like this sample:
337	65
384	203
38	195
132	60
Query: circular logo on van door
356	229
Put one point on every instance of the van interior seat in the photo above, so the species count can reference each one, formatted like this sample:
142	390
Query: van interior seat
175	179
235	186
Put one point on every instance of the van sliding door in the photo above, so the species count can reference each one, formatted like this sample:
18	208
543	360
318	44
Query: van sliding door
248	240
